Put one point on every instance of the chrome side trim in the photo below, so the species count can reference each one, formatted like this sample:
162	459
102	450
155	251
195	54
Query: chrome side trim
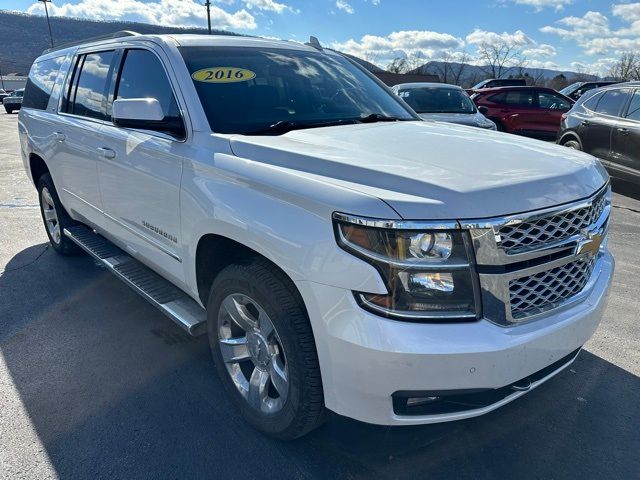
396	224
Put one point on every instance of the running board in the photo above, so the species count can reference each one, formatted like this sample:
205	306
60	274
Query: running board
165	296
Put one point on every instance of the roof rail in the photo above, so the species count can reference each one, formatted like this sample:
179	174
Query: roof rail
118	34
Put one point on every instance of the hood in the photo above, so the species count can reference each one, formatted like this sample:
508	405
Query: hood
430	170
471	119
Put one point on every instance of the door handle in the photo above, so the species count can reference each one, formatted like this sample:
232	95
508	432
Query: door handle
623	131
586	123
59	136
106	152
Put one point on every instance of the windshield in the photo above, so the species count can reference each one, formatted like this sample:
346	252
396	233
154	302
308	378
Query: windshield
250	90
18	93
438	100
569	89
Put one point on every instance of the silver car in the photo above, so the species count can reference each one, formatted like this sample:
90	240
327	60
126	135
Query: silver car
443	103
13	101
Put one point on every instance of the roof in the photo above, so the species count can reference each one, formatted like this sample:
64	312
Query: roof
409	86
190	40
512	87
392	79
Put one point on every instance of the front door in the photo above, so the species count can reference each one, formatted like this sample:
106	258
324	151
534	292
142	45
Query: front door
551	107
598	128
140	171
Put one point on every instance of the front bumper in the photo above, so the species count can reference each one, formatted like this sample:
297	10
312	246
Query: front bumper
366	359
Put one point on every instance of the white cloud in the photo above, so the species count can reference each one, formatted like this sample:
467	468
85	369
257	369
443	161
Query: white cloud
541	50
344	6
519	38
539	5
268	5
594	34
179	13
422	43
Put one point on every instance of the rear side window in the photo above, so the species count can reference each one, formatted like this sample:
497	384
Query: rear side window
552	101
633	112
143	76
611	102
515	97
42	78
87	93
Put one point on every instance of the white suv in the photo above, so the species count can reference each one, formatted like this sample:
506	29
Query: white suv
340	253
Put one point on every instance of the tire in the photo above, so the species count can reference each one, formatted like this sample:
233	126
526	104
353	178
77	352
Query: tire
55	217
499	126
8	110
296	406
573	143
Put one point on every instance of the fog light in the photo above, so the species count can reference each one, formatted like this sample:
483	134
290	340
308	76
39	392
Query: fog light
417	401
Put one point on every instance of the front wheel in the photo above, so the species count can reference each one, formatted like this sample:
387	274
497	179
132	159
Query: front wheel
8	110
264	350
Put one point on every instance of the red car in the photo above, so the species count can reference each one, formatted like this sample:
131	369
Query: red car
530	111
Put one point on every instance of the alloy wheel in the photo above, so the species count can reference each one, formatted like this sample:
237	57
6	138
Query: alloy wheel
253	353
50	215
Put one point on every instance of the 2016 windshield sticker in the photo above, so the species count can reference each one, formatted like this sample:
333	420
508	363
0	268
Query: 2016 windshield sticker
223	75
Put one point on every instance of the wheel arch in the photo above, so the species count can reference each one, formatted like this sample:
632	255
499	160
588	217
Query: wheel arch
37	167
570	135
214	252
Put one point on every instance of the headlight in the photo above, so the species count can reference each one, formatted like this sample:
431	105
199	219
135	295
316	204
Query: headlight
427	268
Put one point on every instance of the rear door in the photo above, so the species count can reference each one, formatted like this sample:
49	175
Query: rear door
625	144
516	110
597	130
551	107
140	175
76	141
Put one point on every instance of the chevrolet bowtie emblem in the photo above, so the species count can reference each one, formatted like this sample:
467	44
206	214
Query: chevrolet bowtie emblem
590	244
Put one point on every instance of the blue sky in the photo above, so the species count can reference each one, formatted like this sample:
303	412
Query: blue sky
566	34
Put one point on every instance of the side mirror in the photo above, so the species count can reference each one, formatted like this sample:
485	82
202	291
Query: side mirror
483	110
145	114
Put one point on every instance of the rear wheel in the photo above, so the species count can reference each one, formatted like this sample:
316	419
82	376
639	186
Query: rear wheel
8	110
499	126
55	217
264	351
573	143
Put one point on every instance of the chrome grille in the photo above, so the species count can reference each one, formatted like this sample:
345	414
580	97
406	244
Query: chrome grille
548	289
531	234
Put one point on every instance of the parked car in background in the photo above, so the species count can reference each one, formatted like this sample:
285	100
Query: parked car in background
576	90
443	103
500	82
529	111
14	101
3	94
606	123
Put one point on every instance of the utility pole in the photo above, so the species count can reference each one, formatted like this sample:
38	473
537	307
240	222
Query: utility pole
206	4
1	80
46	11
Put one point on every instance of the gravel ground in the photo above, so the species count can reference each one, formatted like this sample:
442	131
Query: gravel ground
95	383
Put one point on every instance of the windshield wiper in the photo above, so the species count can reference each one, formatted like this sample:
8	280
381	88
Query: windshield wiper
284	126
378	117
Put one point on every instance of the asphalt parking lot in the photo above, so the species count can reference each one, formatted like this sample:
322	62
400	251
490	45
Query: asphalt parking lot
95	383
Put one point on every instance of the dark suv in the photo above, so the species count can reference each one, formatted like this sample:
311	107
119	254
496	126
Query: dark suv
606	123
530	111
576	90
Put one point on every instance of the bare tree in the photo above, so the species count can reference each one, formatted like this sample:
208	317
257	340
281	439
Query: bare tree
500	57
451	67
535	77
627	67
398	65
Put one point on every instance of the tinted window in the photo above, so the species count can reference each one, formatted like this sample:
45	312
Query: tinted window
551	101
42	77
245	90
633	112
515	97
611	102
438	100
88	92
143	76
